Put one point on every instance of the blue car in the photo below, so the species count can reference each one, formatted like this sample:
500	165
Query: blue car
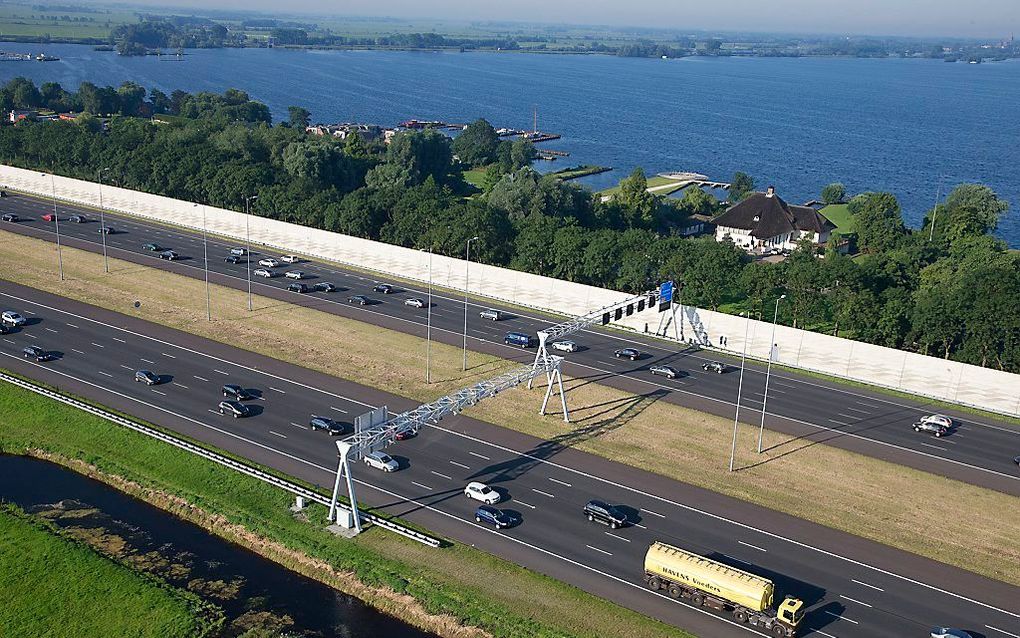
493	516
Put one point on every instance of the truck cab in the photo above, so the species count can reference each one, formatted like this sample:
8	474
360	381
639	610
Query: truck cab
790	612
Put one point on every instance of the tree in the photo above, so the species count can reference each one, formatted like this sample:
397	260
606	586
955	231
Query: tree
741	186
878	221
131	98
159	102
476	145
24	93
970	210
423	154
834	193
639	206
298	117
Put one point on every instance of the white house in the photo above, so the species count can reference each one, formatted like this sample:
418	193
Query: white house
763	221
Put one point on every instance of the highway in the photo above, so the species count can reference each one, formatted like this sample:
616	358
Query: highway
979	450
852	587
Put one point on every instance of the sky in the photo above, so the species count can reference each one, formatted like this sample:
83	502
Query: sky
954	18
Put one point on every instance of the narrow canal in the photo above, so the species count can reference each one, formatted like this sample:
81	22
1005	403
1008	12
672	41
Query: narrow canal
252	591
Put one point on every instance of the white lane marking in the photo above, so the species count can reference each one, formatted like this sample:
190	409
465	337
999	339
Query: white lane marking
848	416
158	392
944	449
739	560
72	325
126	367
120	340
106	374
72	350
647	511
298	425
332	407
760	549
560	482
52	330
421	485
148	361
32	336
221	372
542	493
856	410
520	502
626	540
8	340
448	478
854	600
602	551
639	525
481	456
835	615
282	436
819	631
168	355
1001	631
460	465
198	377
213	411
277	390
98	345
837	421
180	385
866	585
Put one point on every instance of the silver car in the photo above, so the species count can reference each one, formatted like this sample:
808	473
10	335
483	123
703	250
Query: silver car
294	274
262	272
381	461
12	318
565	346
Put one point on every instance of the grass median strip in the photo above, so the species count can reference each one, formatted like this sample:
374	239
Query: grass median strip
881	501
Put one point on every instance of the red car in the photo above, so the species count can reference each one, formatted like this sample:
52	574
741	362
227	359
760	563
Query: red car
49	217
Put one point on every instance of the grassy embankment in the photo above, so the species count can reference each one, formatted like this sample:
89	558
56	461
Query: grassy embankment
54	586
575	172
881	501
31	23
839	214
447	590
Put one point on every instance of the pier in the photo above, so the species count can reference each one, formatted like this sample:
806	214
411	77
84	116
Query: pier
684	179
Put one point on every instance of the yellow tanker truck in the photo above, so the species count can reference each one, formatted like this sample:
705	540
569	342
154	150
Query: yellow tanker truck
709	583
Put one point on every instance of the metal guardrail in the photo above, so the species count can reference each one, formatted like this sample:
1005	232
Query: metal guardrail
225	461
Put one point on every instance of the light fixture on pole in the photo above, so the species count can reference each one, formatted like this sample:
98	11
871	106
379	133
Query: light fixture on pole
768	373
428	328
102	220
467	263
740	388
205	250
247	243
56	221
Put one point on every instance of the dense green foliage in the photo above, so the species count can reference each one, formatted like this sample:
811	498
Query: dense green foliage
834	193
957	295
172	31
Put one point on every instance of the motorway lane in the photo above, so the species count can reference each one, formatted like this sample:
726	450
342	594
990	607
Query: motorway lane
978	451
846	598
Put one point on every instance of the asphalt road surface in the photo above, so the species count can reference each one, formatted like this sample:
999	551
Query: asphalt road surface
852	587
978	450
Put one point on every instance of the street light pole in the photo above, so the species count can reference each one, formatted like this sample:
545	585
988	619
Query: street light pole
205	249
247	243
56	220
428	328
740	388
768	373
102	220
467	264
935	210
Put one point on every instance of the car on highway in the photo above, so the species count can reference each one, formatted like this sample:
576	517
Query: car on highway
294	274
518	339
10	217
49	217
383	289
937	424
37	353
327	425
491	314
601	512
240	252
234	391
231	259
664	371
78	219
298	287
269	262
949	632
290	259
714	366
361	300
403	435
106	230
151	247
565	346
147	377
415	302
493	516
262	272
627	353
235	409
1016	461
324	286
169	255
482	492
381	461
4	328
12	318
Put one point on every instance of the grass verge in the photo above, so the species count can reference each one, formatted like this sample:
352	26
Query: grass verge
861	495
454	591
54	586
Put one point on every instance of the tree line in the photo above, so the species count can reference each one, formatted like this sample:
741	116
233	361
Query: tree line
949	288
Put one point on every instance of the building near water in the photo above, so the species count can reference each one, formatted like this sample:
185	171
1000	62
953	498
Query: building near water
764	222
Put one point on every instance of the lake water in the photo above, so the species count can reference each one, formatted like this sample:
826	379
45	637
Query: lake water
896	125
246	586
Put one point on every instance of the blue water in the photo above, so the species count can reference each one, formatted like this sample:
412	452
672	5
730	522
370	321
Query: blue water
896	125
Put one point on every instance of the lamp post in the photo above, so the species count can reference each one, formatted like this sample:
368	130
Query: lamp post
740	388
935	210
102	220
205	250
247	243
768	373
467	264
56	221
428	328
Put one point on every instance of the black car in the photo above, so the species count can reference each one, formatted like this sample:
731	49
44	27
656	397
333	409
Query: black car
106	230
78	219
10	217
325	286
4	329
37	353
147	377
383	288
714	366
493	516
234	408
604	513
232	259
331	427
169	255
627	353
234	391
298	287
361	300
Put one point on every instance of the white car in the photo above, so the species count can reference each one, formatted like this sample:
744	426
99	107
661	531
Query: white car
949	632
381	461
269	262
481	492
294	274
938	419
415	302
12	318
565	346
290	259
262	272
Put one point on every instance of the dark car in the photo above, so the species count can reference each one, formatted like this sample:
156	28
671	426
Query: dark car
331	427
231	259
604	513
106	230
78	219
665	371
4	329
298	287
37	353
234	391
493	516
10	217
151	247
234	408
325	286
147	377
714	366
169	255
627	353
361	300
383	288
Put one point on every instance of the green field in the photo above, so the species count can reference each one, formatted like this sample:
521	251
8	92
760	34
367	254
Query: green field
53	586
839	215
475	177
29	21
